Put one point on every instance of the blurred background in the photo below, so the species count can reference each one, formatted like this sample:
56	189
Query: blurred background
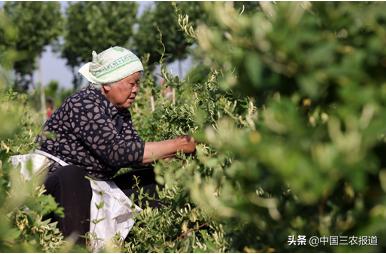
52	66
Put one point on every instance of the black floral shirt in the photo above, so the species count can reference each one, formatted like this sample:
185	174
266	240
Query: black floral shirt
89	131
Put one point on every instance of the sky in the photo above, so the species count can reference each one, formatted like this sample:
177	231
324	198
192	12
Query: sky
52	67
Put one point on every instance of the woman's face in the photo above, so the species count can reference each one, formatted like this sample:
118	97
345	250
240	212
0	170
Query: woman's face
123	92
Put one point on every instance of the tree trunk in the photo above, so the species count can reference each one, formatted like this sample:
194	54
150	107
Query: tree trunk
42	91
152	103
179	69
76	80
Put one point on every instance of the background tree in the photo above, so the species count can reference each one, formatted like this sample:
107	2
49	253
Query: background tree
95	26
163	19
37	24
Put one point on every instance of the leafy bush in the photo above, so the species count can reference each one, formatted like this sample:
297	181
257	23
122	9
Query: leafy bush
23	207
295	143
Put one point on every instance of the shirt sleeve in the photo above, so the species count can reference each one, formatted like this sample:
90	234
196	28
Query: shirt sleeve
95	128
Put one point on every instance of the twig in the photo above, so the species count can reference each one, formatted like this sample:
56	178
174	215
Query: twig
184	235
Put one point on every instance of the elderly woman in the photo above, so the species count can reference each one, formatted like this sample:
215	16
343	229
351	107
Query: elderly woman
93	136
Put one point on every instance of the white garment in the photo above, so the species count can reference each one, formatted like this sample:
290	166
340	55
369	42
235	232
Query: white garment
39	164
116	211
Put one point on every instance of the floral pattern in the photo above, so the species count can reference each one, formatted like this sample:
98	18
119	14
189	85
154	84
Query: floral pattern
89	131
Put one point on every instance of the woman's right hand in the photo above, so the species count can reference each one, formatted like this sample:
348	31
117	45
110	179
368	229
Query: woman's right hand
168	148
188	144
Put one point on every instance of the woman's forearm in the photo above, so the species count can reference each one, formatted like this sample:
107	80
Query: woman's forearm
167	148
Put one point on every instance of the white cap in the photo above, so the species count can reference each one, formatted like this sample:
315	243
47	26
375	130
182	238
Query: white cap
111	65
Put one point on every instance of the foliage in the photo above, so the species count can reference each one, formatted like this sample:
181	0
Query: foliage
160	24
304	154
7	39
95	26
56	93
23	207
179	227
32	34
52	92
180	214
23	227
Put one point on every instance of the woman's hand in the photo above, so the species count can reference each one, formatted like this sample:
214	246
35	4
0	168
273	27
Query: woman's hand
168	148
188	145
